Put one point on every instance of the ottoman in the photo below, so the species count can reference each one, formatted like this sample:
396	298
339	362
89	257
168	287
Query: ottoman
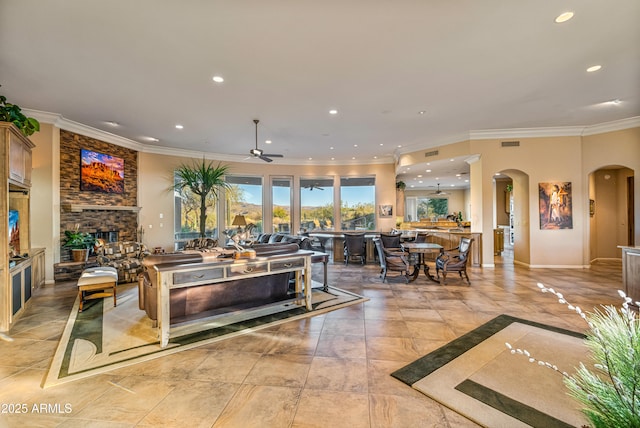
100	279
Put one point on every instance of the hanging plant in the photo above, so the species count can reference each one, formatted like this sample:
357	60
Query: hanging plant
12	113
400	185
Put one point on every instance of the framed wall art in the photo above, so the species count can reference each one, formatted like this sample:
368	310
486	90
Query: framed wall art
385	210
101	172
555	205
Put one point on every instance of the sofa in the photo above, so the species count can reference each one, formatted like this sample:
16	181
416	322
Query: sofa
125	256
187	302
304	242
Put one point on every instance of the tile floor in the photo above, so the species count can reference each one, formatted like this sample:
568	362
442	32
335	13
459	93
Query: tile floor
328	371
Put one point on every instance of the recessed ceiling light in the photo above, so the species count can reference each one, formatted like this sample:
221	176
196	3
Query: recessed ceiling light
420	181
112	123
399	145
437	178
564	17
453	185
615	102
496	174
333	111
593	68
179	127
354	158
310	158
333	158
155	140
218	79
382	144
331	148
355	145
428	170
421	112
375	157
267	141
419	175
451	160
458	175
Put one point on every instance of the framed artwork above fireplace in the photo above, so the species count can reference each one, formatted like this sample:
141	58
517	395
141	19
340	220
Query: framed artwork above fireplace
101	172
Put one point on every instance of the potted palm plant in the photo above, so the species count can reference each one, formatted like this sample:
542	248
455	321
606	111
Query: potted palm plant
79	243
204	180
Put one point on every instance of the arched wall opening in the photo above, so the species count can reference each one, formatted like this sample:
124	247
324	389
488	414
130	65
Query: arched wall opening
519	217
611	211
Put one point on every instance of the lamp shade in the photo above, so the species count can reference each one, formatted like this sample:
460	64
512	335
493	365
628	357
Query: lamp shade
239	220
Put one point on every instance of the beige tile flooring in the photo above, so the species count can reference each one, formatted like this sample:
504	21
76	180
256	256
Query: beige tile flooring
327	371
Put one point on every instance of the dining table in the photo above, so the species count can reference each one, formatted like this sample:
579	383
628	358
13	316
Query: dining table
419	250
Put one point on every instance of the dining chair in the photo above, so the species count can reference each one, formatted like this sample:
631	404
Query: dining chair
454	261
391	261
354	247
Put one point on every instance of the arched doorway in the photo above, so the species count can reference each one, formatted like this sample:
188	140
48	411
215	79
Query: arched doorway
611	211
511	209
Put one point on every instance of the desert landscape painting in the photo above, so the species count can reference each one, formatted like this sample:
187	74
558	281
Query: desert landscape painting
101	172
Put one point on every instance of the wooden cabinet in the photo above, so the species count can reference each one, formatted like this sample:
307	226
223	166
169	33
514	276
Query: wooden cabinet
20	160
17	279
38	264
631	272
21	286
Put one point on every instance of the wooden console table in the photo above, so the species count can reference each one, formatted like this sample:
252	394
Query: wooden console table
175	276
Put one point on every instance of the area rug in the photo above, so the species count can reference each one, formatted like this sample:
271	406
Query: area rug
104	337
478	377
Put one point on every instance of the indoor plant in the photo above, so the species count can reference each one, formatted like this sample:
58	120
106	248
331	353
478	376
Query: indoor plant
204	180
610	391
12	113
79	243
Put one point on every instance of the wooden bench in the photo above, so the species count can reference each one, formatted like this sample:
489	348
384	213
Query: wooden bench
100	279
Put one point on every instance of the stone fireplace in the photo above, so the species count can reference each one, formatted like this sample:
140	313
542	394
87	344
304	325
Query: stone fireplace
109	216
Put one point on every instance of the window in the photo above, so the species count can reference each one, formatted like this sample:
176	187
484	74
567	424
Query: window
316	204
281	204
432	207
357	203
187	216
245	198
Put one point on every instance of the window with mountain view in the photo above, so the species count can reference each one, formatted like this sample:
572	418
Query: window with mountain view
281	204
357	203
316	204
244	197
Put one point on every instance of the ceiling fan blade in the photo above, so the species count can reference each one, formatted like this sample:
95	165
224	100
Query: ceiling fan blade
266	159
273	155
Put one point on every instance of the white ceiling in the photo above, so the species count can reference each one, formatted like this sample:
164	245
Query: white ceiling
468	64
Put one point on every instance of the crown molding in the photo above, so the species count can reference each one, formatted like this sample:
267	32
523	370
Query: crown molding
616	125
496	134
558	131
561	131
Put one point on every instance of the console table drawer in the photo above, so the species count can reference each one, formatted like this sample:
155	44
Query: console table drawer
247	269
198	275
288	264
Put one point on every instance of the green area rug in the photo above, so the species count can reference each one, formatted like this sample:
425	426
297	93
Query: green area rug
478	377
104	337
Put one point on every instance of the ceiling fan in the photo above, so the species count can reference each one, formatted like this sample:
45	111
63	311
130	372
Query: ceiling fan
439	192
258	153
313	186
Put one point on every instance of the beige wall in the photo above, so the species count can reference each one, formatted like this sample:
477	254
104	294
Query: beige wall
620	149
548	159
156	177
45	195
